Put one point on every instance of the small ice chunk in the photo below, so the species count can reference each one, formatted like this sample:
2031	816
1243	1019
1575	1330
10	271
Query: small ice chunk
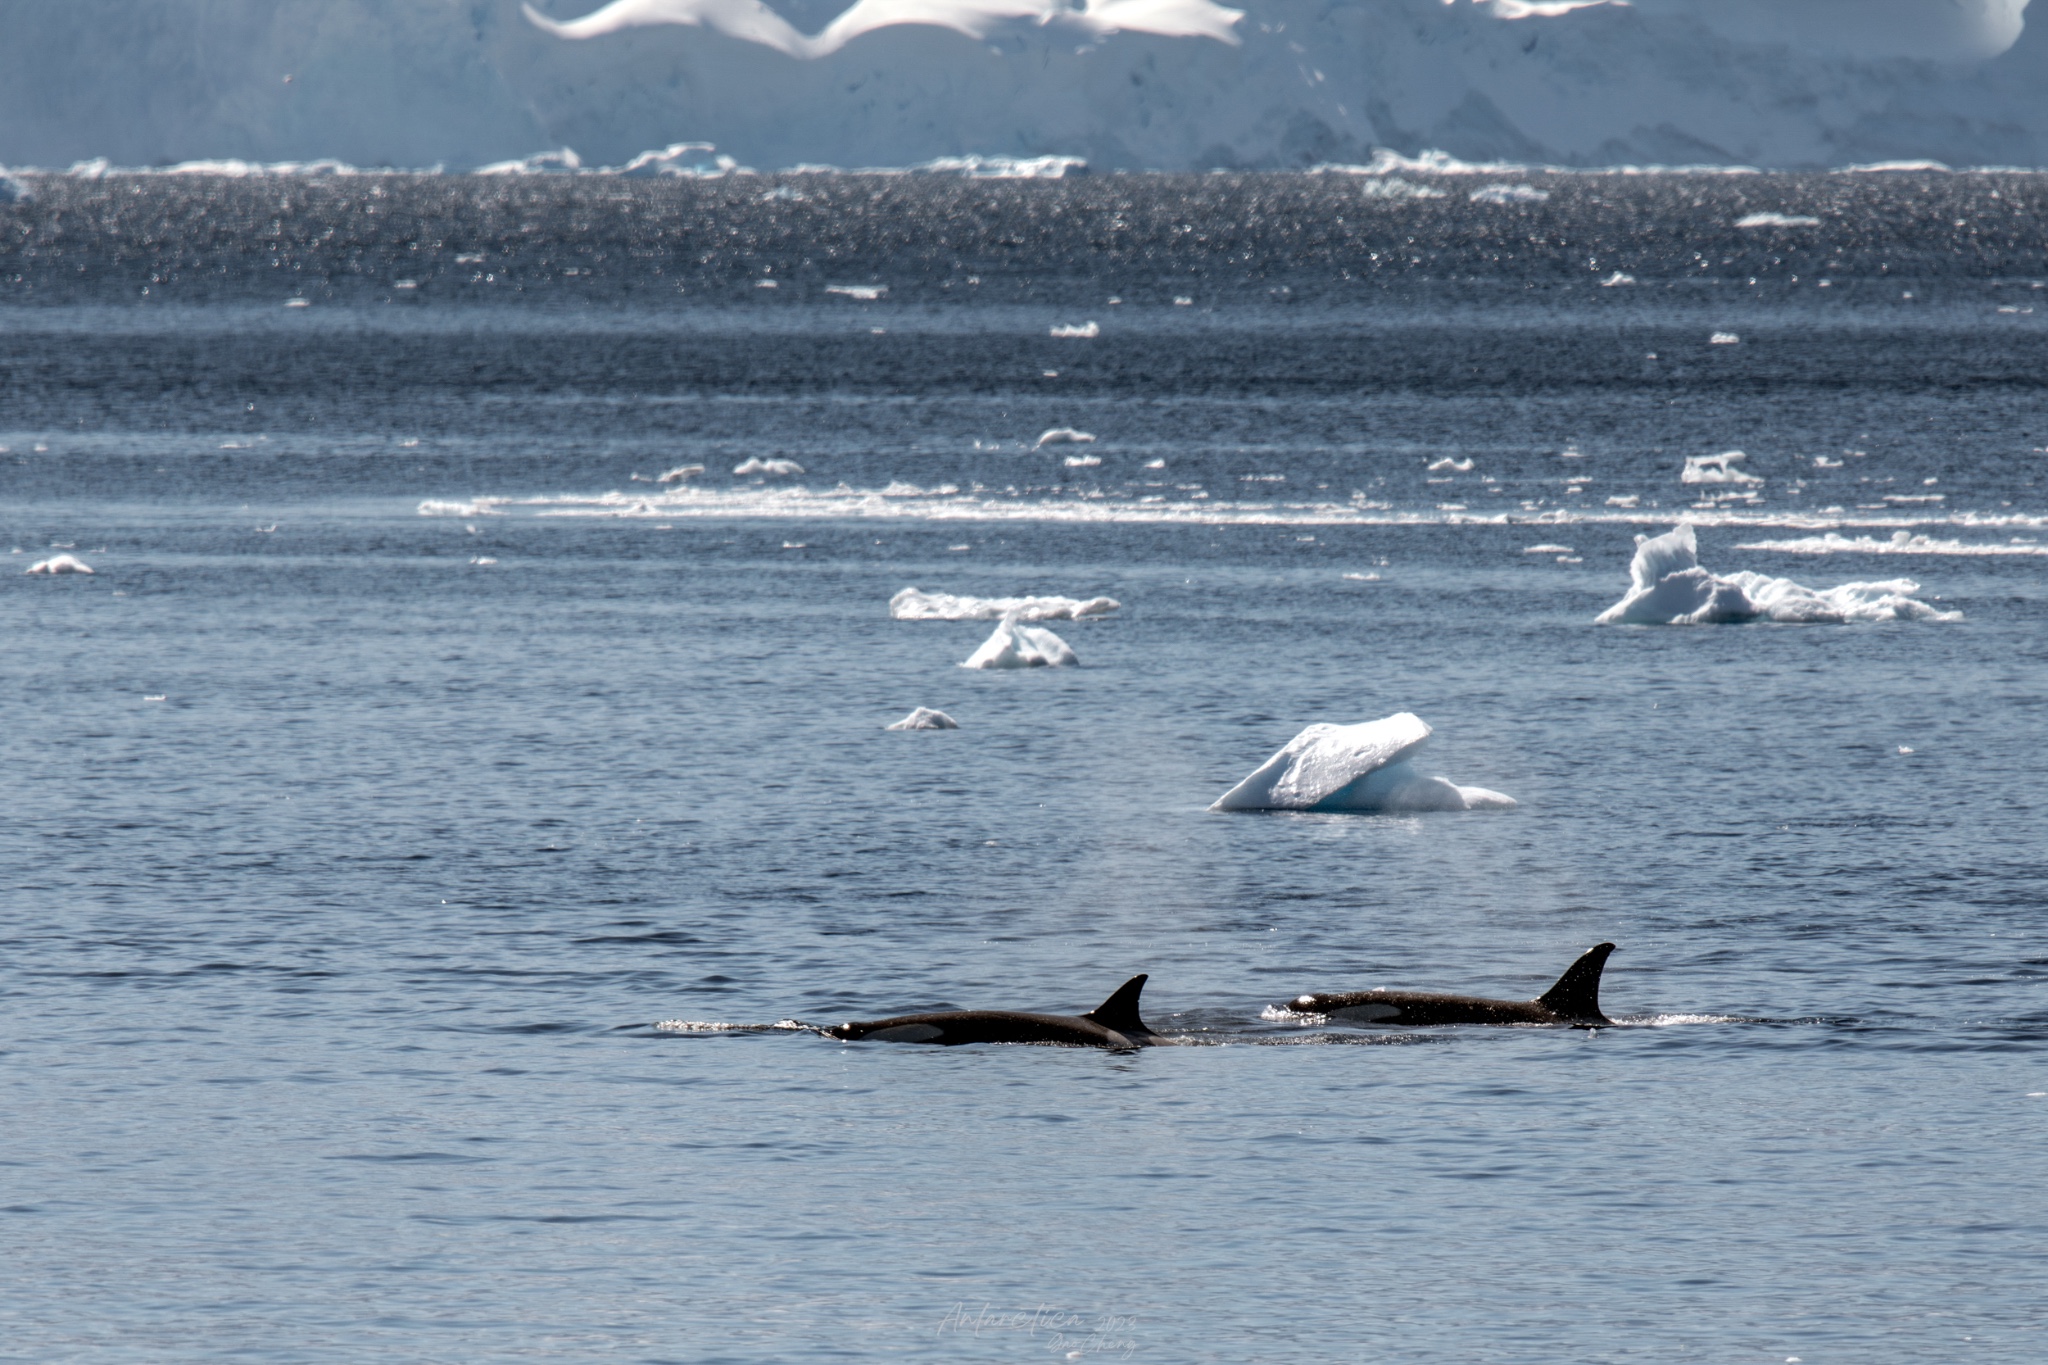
1548	550
914	604
57	564
1014	645
866	293
1617	279
754	464
1059	436
1667	586
1778	220
1364	767
1086	331
1082	461
1508	194
1450	466
924	718
1724	339
1716	469
680	472
1153	464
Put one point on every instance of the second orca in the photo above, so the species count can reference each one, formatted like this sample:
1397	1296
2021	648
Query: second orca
1575	999
1113	1024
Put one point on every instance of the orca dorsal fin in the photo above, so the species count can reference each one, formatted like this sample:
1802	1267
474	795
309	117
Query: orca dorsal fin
1120	1011
1577	993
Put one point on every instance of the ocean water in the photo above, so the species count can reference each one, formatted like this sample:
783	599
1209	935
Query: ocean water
412	756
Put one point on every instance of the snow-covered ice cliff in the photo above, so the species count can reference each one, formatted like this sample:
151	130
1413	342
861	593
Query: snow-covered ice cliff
1121	83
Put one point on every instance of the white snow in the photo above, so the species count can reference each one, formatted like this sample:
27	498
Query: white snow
924	718
1778	220
1667	586
57	564
1014	645
754	464
1085	331
1054	436
1365	767
754	22
911	604
1716	469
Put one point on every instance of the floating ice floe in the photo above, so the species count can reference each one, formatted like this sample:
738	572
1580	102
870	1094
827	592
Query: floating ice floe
866	293
57	564
12	191
924	718
1717	469
1447	465
1777	220
1548	550
913	604
1724	339
681	472
1014	645
1086	330
1056	436
1508	194
1082	461
1617	279
1366	767
1667	586
754	464
1901	543
1394	187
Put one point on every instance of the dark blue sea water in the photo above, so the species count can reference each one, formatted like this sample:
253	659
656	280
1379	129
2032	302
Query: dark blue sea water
412	754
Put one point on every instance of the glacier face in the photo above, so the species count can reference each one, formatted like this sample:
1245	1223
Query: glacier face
461	83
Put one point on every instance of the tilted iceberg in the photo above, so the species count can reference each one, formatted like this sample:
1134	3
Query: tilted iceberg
56	564
1667	586
1012	645
925	718
1366	767
913	604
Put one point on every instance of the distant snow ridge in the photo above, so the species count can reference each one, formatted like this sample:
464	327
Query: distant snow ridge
1366	767
57	564
1667	586
1716	469
913	604
925	718
1011	645
753	22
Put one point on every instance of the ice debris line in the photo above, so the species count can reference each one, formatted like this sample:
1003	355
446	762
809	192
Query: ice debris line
1667	586
913	604
1366	767
1011	645
60	564
924	718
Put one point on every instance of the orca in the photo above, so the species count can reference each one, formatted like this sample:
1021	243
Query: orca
1575	999
1113	1024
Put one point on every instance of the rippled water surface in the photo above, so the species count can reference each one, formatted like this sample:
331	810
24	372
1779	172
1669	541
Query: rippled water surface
413	753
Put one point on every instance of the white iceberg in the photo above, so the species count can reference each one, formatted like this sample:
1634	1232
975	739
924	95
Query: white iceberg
1366	767
754	464
680	473
1085	331
1013	645
1777	220
913	604
56	564
924	718
1667	586
1063	436
1082	461
1717	469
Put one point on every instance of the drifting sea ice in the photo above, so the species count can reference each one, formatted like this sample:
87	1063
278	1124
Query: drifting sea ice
1063	436
1667	586
754	464
1086	331
1717	469
925	718
1366	767
680	473
57	564
913	604
1011	645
